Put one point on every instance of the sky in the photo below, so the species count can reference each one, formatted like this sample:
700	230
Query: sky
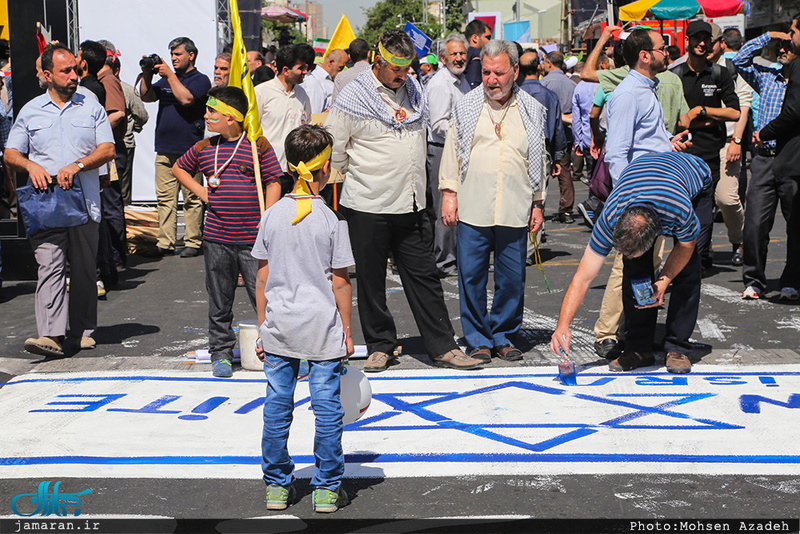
353	9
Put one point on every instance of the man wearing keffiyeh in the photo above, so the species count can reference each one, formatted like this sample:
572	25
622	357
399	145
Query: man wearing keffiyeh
491	182
379	122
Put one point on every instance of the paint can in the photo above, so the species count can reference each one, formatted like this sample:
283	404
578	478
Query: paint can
248	333
355	394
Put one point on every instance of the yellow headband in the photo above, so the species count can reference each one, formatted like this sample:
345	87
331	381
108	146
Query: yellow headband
391	58
302	190
225	109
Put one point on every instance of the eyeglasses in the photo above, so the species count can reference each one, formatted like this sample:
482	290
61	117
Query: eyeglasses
663	49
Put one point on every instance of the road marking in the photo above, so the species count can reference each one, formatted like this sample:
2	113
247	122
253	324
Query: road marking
510	421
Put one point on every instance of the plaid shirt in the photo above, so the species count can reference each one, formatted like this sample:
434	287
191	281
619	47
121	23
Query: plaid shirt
767	81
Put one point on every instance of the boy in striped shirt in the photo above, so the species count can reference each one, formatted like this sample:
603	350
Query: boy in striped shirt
233	213
657	194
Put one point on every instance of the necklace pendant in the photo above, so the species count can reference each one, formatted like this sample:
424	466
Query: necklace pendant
400	115
497	129
213	180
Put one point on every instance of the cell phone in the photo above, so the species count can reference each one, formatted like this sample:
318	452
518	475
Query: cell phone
643	291
688	138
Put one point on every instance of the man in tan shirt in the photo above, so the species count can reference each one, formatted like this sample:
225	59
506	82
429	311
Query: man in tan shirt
378	122
491	177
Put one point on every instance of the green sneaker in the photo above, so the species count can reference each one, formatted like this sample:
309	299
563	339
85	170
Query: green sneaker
327	501
278	497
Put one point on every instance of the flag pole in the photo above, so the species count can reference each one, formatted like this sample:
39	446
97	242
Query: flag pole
259	184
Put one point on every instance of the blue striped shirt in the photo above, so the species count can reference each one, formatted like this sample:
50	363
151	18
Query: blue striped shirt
767	81
667	183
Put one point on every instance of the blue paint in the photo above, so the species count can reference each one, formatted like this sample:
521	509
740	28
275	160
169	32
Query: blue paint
153	407
655	381
250	406
752	403
204	408
88	406
374	458
725	380
768	381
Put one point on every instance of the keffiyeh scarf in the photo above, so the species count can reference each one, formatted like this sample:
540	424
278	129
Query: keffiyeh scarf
360	99
466	113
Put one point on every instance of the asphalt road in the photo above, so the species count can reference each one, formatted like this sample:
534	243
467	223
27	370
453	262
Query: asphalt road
158	313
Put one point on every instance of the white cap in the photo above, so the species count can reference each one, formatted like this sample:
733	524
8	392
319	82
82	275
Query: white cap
570	62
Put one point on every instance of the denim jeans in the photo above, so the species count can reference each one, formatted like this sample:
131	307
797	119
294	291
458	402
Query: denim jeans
223	264
482	328
323	381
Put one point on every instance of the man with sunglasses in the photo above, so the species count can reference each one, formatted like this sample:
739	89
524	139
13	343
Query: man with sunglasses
711	95
771	179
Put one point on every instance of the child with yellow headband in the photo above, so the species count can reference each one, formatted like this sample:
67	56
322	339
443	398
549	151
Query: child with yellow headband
304	304
233	212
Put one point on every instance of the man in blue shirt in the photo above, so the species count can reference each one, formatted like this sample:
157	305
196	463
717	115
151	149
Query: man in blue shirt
765	188
64	135
181	96
658	194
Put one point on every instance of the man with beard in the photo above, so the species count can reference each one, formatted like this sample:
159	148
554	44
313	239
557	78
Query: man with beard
222	70
706	86
179	125
444	91
492	184
79	128
773	173
379	123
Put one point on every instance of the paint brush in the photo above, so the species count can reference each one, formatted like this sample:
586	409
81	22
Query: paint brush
566	370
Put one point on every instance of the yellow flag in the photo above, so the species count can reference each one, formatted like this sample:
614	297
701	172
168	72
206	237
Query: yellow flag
240	74
343	35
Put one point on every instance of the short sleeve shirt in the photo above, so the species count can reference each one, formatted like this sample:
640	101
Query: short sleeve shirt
178	127
233	210
667	183
302	320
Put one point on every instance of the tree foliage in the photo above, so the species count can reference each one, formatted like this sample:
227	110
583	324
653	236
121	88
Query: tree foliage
277	28
393	14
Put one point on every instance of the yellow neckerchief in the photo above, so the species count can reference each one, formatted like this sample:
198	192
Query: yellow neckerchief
302	192
391	58
225	109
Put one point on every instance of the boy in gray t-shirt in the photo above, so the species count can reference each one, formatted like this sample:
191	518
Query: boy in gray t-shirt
303	302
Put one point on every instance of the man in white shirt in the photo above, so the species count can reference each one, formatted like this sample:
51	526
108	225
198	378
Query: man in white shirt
319	82
282	103
444	90
378	122
492	176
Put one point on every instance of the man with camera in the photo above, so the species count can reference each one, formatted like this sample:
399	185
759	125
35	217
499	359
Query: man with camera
181	105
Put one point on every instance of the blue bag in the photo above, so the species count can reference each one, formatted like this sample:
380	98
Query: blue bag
52	208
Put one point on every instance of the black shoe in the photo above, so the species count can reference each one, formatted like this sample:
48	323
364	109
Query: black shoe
190	252
587	215
609	349
161	252
738	255
563	218
482	353
631	360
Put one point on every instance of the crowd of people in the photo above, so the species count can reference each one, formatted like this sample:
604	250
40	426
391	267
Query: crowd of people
438	164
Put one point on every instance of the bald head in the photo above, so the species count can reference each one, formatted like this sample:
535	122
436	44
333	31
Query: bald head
334	62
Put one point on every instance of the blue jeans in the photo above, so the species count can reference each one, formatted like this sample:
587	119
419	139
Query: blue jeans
223	263
481	328
323	381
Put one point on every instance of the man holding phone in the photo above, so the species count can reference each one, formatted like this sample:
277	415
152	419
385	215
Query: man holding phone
657	194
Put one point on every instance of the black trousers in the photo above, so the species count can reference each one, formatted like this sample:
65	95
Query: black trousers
409	238
706	230
684	300
764	192
112	246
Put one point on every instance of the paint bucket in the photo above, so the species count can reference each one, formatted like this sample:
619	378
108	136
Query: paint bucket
248	333
356	394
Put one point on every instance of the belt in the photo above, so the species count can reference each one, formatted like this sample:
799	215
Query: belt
766	152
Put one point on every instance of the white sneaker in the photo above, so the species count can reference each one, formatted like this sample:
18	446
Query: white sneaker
751	293
789	293
101	289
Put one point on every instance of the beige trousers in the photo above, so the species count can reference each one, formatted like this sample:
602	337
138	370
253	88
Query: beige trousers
167	189
726	196
612	319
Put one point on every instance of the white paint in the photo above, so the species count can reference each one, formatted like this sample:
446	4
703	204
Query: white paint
789	322
520	414
711	327
731	297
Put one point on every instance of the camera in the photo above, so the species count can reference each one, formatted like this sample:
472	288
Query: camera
150	61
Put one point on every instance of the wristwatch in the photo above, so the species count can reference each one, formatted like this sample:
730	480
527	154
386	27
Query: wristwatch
80	165
737	140
703	111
